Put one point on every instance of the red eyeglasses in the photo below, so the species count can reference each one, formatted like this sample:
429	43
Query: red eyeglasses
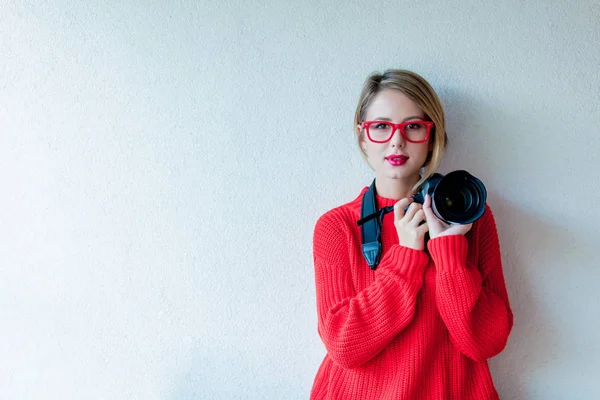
415	131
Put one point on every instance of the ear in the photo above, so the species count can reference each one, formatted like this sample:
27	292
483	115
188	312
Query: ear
431	138
362	138
429	154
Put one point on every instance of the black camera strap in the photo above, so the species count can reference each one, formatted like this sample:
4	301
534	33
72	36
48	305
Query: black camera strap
370	226
371	218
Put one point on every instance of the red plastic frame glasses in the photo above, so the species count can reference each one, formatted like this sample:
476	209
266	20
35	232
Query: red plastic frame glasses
366	125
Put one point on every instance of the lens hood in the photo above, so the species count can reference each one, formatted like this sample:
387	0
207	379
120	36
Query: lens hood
457	197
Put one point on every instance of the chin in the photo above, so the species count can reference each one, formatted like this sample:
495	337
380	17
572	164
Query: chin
403	174
397	176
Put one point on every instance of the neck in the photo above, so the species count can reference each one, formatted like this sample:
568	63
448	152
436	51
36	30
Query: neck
395	188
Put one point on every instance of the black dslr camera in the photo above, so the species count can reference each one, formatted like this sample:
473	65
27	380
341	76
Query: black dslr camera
456	198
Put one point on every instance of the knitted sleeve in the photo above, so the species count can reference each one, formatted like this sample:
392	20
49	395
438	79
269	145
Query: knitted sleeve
472	299
356	326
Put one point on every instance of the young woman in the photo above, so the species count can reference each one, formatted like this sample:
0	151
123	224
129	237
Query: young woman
424	322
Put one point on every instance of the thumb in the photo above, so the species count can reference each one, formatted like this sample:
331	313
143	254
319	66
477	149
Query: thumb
427	208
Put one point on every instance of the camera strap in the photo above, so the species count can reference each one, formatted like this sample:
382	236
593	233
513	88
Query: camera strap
370	226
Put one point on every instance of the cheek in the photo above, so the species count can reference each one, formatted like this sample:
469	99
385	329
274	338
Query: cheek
420	151
373	149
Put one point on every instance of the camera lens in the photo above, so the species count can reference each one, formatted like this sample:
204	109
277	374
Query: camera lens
458	201
459	198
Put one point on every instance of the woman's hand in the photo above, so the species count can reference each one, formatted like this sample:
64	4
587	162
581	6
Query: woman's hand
437	227
411	232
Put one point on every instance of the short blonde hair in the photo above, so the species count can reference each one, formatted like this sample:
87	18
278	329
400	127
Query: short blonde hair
418	90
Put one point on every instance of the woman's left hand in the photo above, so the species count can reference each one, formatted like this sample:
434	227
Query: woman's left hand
437	227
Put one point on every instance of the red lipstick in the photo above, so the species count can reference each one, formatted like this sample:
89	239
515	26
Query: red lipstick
396	159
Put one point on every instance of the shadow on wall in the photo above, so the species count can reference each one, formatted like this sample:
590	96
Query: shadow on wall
493	143
530	245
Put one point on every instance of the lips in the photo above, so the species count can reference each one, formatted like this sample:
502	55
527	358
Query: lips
396	159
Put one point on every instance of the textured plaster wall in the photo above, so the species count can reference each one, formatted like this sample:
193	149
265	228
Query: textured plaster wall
162	165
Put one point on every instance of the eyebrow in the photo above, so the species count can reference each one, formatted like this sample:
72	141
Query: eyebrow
404	120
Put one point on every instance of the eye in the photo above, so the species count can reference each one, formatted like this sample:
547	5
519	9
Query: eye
415	125
381	125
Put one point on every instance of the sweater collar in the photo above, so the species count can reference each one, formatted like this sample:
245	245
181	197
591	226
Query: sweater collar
381	201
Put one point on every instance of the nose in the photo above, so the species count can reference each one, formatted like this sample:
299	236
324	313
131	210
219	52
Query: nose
397	139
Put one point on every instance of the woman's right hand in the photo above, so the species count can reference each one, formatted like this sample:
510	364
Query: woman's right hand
408	225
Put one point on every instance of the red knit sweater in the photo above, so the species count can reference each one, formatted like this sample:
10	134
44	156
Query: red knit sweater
421	326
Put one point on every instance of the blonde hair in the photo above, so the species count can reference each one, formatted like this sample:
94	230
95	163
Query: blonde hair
418	90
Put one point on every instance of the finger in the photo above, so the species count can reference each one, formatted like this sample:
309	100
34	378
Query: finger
423	229
427	202
427	208
466	228
400	206
412	210
418	218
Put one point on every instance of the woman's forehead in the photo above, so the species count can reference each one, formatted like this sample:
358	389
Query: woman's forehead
392	104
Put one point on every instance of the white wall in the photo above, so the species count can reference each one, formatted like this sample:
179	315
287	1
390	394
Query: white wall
162	167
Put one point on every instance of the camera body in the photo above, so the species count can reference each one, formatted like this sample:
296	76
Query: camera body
456	198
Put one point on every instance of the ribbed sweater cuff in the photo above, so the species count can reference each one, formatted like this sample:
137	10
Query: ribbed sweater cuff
449	252
406	262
